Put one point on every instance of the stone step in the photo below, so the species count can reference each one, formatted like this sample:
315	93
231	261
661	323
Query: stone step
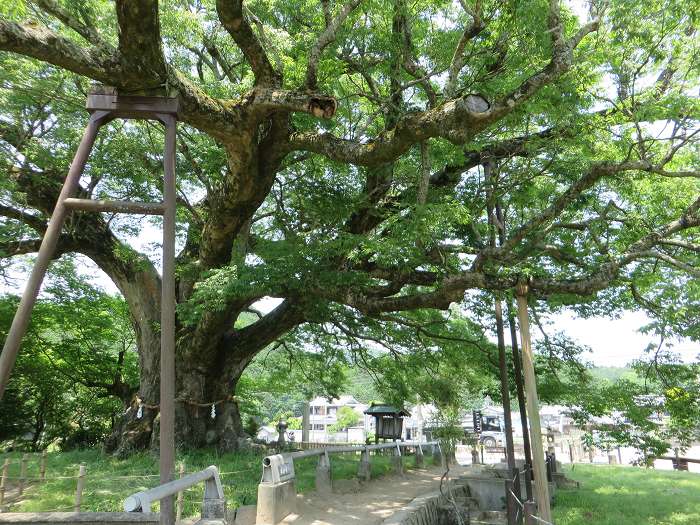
467	501
489	517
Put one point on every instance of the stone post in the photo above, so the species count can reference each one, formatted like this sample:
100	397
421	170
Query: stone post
79	488
397	461
364	471
23	473
419	456
3	482
180	496
529	511
323	474
305	423
42	466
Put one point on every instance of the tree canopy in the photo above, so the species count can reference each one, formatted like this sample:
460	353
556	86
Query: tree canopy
357	161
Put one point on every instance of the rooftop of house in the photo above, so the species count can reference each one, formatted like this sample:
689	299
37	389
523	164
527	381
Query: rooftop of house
381	409
345	400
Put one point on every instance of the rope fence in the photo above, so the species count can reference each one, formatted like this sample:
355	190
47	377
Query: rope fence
528	508
15	478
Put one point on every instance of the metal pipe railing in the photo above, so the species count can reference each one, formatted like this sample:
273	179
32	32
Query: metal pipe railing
356	448
142	501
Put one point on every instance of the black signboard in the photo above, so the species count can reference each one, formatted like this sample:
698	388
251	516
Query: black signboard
476	414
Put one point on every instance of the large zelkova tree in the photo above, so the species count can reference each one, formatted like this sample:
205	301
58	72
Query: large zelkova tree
331	155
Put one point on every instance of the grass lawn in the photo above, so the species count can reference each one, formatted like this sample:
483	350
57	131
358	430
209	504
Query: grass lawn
109	480
629	496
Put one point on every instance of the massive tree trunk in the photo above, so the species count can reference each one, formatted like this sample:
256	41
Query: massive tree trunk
196	424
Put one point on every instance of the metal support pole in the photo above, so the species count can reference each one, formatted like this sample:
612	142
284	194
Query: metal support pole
533	409
167	323
518	373
505	394
47	249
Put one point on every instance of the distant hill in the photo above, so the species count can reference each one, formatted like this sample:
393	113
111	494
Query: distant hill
613	373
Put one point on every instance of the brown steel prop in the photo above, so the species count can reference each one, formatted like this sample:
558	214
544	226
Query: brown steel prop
104	105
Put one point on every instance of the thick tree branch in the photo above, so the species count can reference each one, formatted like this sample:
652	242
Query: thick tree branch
88	32
140	44
325	39
458	120
232	17
270	99
33	221
43	44
469	114
458	58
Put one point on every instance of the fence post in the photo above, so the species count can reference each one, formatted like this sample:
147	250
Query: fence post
5	467
510	502
23	473
419	456
79	487
530	509
42	466
323	474
364	472
397	461
518	499
178	508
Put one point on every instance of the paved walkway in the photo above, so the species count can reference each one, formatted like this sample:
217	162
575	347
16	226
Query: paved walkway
367	503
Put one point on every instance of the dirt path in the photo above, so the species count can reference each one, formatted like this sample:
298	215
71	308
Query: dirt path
369	503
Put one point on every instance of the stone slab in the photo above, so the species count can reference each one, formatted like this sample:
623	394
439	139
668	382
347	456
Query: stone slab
275	502
81	518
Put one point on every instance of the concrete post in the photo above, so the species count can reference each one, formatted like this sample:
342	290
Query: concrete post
397	461
323	474
419	456
305	423
364	471
79	488
180	497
